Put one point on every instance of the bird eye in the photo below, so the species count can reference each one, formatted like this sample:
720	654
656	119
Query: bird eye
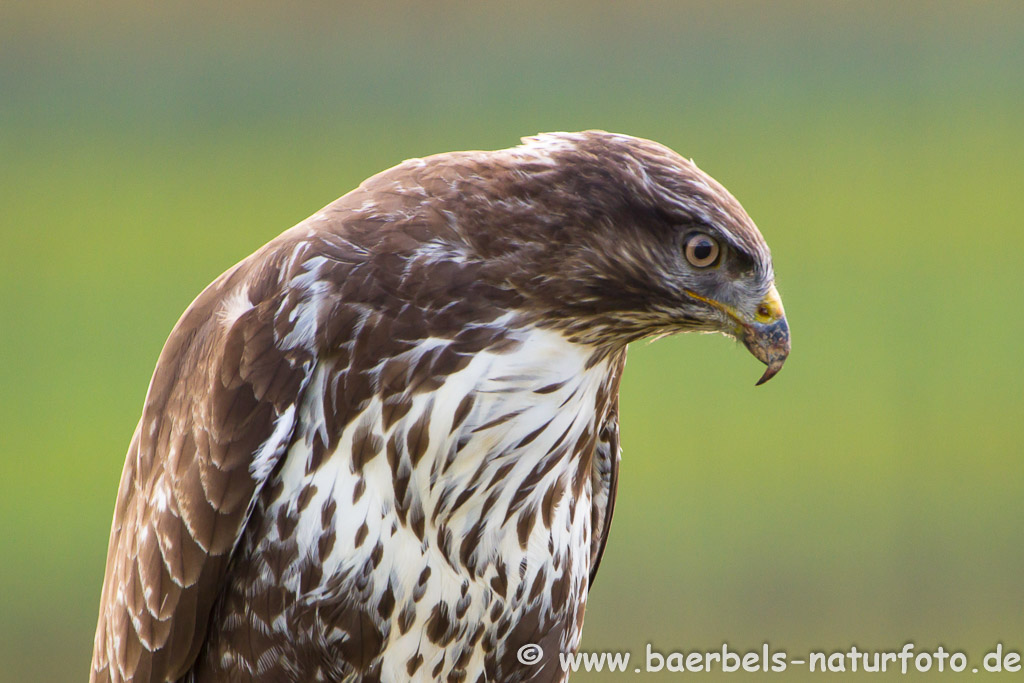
701	250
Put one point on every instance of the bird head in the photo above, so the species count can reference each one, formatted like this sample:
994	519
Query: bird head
613	238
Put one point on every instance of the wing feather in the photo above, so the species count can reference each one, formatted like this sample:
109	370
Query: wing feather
223	391
605	473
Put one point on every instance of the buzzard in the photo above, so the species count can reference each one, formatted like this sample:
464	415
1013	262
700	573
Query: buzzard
385	446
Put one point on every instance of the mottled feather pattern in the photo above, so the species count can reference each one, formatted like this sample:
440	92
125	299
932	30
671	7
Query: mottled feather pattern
472	504
385	446
186	489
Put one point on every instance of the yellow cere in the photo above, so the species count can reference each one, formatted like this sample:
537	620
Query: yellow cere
770	308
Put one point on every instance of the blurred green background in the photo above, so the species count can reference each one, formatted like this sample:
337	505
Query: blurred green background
869	495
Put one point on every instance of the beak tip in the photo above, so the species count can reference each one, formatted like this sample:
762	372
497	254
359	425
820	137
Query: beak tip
770	372
771	347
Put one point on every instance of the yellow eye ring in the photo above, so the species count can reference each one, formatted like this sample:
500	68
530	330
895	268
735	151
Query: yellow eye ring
701	250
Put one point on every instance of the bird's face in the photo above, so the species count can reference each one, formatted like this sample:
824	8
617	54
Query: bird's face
722	289
643	244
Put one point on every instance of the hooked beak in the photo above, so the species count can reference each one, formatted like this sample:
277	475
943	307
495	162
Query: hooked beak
766	334
767	337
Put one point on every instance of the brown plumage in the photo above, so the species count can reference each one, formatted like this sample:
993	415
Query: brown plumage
385	446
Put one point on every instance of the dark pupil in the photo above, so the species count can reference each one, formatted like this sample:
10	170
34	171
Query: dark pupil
702	251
